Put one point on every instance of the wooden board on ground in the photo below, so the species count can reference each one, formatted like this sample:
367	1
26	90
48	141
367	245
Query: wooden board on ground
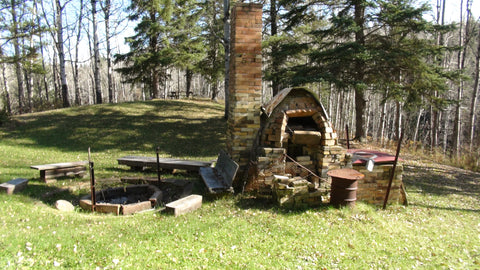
138	162
184	205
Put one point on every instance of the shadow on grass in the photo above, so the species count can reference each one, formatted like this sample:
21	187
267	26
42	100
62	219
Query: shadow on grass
265	204
180	129
442	181
49	194
456	209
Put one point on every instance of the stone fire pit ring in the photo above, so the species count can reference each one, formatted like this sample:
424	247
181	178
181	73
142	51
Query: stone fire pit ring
124	200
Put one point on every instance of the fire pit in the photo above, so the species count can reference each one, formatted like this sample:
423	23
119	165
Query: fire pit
124	200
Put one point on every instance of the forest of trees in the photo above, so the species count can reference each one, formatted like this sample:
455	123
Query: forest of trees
382	67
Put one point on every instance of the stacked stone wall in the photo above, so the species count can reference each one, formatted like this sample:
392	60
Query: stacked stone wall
373	187
269	162
296	192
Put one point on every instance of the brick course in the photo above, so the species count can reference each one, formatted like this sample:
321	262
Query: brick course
245	87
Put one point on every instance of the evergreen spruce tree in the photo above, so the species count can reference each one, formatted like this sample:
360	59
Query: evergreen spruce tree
187	41
150	52
367	45
213	65
167	35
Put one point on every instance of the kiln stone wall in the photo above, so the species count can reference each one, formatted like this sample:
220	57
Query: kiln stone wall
269	162
373	187
245	83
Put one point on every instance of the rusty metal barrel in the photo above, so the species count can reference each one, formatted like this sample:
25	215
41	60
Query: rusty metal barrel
344	187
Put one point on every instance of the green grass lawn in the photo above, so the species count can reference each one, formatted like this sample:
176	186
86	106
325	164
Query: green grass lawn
440	229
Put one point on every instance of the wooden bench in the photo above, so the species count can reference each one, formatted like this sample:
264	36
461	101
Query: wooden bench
52	171
173	95
139	163
219	179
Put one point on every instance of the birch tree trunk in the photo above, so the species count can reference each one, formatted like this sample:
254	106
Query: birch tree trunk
473	104
40	37
56	80
417	125
61	53
398	120
434	111
78	99
27	71
96	55
110	85
28	76
7	90
382	122
28	86
463	41
446	126
17	63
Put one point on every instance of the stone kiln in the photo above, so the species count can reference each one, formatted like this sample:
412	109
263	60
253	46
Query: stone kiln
286	147
296	138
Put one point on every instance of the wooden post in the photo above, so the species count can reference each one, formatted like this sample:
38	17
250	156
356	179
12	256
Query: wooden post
348	137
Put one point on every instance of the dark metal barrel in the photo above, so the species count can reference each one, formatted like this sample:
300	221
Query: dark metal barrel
344	187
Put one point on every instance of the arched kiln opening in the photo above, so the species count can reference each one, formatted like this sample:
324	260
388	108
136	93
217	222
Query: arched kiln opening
301	133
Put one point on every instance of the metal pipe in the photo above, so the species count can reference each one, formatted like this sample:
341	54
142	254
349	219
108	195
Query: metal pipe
393	171
158	165
92	181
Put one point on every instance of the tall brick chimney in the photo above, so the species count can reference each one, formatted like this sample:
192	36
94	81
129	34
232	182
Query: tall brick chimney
245	83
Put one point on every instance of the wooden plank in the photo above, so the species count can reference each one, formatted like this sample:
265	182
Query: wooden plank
220	178
306	137
132	208
213	182
59	165
13	186
164	163
156	198
184	205
228	170
107	208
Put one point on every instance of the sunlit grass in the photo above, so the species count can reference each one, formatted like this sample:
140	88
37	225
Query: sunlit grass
439	230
